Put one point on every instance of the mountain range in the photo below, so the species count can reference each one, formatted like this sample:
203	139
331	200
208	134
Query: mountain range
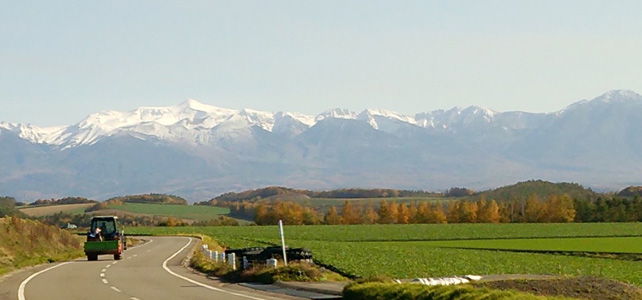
199	151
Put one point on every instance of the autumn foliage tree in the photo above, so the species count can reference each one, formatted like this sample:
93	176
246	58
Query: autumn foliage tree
349	214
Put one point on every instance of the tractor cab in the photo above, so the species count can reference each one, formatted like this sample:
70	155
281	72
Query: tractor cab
103	238
103	229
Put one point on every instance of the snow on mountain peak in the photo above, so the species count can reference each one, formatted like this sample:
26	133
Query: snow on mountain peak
337	113
194	122
614	97
618	96
6	125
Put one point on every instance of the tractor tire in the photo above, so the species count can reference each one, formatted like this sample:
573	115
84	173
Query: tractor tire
117	257
92	257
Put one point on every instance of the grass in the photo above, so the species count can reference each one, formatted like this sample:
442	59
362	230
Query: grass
415	232
598	245
26	243
193	212
408	251
386	291
40	211
420	259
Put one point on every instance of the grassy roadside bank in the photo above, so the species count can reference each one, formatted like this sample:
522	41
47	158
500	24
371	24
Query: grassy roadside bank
293	272
386	291
26	243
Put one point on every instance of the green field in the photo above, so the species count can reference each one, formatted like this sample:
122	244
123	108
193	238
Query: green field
597	245
407	251
193	212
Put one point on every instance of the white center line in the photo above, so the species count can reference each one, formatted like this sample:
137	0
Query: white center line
105	281
134	298
102	274
103	270
115	289
108	266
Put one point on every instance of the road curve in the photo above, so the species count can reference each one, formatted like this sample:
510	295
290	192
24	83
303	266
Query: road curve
149	271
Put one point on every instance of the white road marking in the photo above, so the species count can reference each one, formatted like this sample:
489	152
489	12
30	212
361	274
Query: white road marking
129	257
105	281
134	255
114	263
149	250
107	266
102	274
134	298
21	289
103	270
198	283
115	289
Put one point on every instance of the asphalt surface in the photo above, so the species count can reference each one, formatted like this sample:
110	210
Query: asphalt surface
149	271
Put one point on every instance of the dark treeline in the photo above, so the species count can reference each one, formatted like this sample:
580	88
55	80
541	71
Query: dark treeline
258	194
66	200
616	209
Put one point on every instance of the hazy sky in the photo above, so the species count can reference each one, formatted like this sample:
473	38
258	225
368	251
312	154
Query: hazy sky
63	60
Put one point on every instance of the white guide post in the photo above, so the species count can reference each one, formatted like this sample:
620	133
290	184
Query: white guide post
285	259
231	260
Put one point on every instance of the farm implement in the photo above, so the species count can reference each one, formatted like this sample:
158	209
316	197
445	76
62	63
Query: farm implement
104	238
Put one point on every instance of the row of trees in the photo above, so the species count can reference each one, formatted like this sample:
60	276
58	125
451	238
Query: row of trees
66	200
554	209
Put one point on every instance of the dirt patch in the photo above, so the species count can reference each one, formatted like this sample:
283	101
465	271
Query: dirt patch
581	287
53	209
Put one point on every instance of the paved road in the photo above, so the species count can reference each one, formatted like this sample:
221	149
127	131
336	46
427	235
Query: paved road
150	271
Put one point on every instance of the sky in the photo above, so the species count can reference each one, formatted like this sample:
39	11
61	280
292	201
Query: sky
63	60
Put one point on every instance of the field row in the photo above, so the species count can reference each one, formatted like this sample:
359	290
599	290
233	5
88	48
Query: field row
407	251
418	232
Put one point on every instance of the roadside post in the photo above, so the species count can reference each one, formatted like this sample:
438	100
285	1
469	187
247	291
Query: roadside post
231	260
285	259
271	263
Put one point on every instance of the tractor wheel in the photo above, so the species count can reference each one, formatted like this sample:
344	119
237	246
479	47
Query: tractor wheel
92	257
117	257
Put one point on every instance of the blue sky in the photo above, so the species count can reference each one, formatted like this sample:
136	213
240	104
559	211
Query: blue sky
63	60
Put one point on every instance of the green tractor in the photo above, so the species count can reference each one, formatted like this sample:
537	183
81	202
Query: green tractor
104	238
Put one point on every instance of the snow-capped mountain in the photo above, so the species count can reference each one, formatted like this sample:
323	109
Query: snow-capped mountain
198	150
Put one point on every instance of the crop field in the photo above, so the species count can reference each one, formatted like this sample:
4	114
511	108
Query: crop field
631	245
408	251
193	212
40	211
